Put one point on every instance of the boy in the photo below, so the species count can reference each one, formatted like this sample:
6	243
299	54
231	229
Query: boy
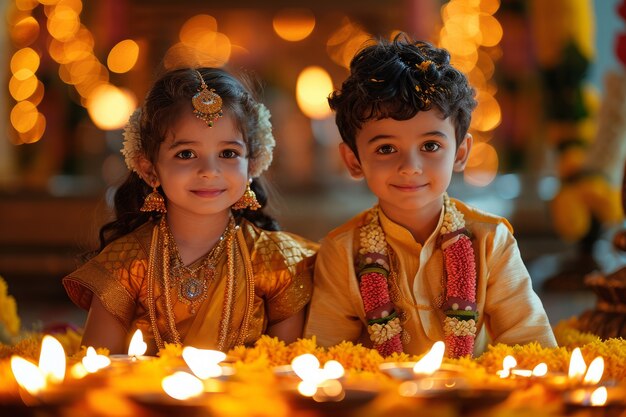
418	267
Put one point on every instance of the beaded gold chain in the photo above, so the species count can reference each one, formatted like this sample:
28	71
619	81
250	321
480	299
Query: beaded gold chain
229	290
192	283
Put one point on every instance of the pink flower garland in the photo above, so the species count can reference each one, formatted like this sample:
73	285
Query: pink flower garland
460	269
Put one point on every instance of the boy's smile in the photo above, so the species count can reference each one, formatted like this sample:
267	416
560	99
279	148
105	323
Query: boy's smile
408	164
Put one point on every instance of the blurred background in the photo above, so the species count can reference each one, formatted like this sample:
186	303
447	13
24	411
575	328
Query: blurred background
549	129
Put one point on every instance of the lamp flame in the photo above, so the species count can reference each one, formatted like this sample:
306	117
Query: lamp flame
204	363
94	362
333	370
182	386
577	365
595	371
540	370
27	375
306	366
137	346
508	363
431	362
599	396
52	360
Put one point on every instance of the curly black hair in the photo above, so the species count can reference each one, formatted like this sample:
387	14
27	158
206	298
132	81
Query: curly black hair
397	79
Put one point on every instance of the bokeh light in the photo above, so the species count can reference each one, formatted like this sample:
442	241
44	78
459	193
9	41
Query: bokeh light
294	24
109	106
312	89
123	56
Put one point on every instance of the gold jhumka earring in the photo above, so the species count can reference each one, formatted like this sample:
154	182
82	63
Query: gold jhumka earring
247	201
154	202
207	103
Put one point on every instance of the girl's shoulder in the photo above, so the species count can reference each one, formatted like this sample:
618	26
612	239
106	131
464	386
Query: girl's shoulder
276	249
131	246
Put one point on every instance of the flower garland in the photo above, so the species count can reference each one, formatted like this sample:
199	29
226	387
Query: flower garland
259	162
373	270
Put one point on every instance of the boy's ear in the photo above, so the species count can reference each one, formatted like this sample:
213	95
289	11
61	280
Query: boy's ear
462	153
351	161
147	171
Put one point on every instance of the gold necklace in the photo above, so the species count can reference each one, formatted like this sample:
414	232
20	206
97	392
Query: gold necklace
229	290
192	283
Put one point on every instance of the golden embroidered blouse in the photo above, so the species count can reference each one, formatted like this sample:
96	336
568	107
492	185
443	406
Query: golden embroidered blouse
509	310
281	264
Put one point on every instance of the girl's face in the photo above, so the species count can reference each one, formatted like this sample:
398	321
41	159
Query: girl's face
408	164
202	170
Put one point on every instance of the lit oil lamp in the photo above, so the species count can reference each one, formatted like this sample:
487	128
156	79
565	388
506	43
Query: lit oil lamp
321	386
136	349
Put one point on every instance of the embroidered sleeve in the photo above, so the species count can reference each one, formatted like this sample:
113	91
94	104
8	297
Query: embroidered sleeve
283	266
115	276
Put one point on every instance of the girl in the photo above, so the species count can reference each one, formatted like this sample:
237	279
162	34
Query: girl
190	257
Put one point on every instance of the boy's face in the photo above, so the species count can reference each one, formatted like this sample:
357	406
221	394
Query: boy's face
408	164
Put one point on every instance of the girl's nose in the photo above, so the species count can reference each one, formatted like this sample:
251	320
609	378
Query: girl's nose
209	167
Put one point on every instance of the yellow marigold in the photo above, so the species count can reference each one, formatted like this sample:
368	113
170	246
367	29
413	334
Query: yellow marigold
355	357
28	348
70	340
614	353
8	310
567	334
302	346
527	356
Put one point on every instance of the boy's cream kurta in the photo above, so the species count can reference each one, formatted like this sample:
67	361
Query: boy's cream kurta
509	310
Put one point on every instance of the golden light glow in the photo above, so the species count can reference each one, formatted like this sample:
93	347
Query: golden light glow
204	363
487	115
599	396
137	346
508	363
482	165
23	84
27	375
197	27
23	116
35	133
491	30
431	362
304	365
52	360
123	56
26	5
94	362
312	89
345	42
333	370
294	24
63	23
182	386
594	371
577	365
109	108
25	31
25	59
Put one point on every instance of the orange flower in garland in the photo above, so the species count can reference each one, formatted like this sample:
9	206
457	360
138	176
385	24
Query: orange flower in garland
372	265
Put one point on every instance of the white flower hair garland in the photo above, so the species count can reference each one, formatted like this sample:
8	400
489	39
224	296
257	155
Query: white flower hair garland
258	163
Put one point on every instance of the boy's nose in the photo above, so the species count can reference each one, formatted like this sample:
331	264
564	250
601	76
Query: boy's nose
411	164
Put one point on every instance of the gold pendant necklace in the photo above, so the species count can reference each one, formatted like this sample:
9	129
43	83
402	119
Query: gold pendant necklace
191	284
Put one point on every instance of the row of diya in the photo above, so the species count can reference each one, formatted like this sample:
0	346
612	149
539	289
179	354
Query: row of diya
206	373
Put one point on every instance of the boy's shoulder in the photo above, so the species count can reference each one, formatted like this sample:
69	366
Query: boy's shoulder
349	226
476	215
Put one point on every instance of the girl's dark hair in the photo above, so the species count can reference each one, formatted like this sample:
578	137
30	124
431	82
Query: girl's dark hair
170	96
396	80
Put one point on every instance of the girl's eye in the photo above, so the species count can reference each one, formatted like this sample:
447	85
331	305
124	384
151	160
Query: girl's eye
229	153
186	154
431	146
385	149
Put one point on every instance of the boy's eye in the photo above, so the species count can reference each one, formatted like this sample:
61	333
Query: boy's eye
431	146
186	154
385	149
229	153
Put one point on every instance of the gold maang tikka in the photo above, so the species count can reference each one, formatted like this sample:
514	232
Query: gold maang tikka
207	103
